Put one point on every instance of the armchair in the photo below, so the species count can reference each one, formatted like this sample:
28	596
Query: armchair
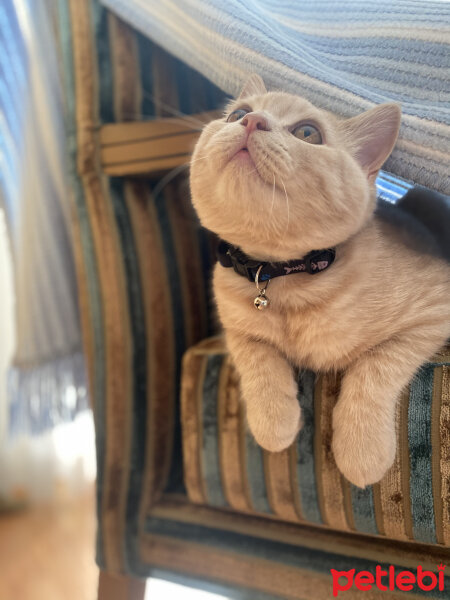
183	492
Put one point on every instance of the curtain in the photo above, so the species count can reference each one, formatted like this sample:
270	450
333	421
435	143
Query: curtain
342	56
46	395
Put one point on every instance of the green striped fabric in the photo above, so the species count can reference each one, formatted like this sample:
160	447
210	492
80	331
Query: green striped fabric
246	556
143	264
301	558
302	484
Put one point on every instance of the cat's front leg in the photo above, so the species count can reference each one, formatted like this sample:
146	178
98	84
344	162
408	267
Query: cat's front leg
364	441
269	391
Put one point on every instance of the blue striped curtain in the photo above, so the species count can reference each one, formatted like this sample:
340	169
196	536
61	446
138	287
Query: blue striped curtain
47	378
344	56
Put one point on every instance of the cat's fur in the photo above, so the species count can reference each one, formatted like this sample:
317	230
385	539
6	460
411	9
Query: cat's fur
379	312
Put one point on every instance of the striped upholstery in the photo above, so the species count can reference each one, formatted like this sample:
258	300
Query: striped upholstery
142	267
224	467
244	556
342	56
142	263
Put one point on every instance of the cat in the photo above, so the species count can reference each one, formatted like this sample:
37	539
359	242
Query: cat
278	178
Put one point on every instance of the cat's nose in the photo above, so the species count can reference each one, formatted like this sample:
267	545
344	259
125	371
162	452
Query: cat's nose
253	121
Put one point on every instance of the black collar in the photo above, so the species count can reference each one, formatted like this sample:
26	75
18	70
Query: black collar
314	262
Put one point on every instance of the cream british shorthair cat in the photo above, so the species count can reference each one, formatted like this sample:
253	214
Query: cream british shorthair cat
278	180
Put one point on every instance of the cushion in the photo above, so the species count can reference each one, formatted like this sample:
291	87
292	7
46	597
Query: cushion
224	467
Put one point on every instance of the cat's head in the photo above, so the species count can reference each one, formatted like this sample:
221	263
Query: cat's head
279	177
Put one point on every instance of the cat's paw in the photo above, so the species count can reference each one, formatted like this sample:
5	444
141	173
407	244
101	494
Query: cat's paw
275	426
363	449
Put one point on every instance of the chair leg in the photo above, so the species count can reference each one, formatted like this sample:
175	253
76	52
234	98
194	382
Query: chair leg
120	587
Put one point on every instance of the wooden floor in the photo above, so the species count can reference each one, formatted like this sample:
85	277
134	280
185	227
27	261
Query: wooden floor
48	553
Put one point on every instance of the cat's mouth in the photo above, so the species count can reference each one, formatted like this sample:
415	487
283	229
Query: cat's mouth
243	155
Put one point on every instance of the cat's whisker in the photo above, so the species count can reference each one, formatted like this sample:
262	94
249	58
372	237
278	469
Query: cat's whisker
257	166
273	196
174	111
148	118
287	205
253	170
162	183
199	158
180	117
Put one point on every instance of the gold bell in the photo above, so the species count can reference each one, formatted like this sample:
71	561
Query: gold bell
261	301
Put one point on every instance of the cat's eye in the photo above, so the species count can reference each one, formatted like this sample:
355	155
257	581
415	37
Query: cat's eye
236	115
307	133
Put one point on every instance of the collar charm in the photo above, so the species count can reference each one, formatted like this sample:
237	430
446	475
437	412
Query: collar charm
261	301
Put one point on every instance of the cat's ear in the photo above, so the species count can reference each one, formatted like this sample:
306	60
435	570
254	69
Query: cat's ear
373	135
254	86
